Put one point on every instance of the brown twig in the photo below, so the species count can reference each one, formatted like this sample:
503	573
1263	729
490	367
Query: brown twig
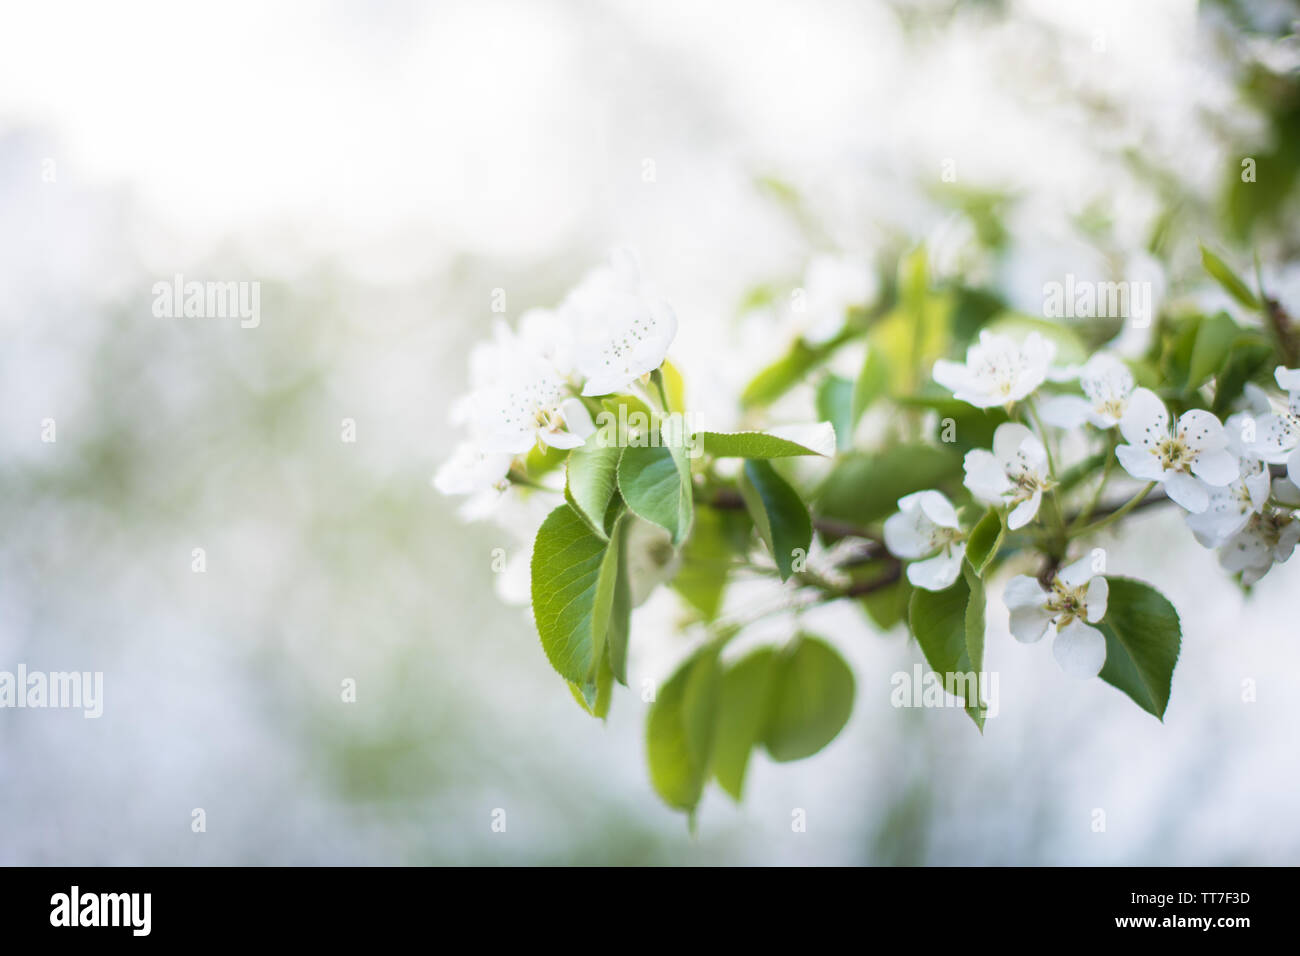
1282	329
726	499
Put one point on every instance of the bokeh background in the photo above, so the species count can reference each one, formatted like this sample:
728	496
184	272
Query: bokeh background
380	168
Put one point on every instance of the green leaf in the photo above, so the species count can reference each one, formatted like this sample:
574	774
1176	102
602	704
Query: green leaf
785	442
619	630
958	426
887	606
594	696
984	541
835	405
786	372
1143	638
746	691
779	514
811	699
656	484
707	558
674	386
590	482
871	384
779	377
919	330
543	459
863	488
975	627
1231	282
680	729
949	630
1214	339
1246	359
574	574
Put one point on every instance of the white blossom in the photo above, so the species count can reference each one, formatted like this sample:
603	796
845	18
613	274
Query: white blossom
1075	601
1231	505
530	403
1267	539
1014	474
1187	460
926	526
621	328
998	371
1107	384
1279	432
477	474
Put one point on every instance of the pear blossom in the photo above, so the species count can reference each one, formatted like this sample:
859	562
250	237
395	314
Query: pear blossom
528	403
998	370
1187	460
1107	384
831	286
1014	474
478	475
1267	539
1279	432
926	526
1231	505
470	470
621	329
1075	601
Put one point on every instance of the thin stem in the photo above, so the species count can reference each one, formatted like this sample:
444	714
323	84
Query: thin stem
1087	512
1116	514
1032	409
1063	535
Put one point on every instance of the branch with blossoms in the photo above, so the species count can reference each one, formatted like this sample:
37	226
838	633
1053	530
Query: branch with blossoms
922	485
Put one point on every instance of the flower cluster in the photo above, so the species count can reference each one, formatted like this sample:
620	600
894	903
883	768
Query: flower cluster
527	386
1217	471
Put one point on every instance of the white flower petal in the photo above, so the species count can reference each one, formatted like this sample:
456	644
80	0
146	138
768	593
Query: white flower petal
576	418
939	572
1258	486
1065	411
1216	467
559	439
1007	440
938	509
1023	591
1146	422
1187	491
1098	598
905	536
1079	649
1024	512
1276	436
1201	431
985	476
1077	573
951	375
1288	379
1140	463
